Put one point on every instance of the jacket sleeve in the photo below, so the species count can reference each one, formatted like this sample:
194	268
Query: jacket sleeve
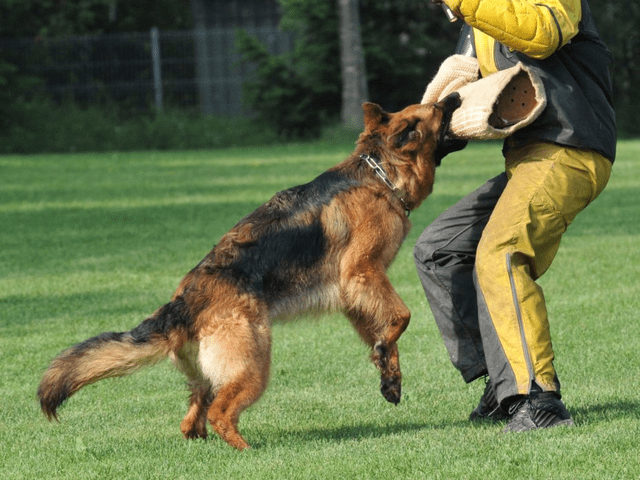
535	29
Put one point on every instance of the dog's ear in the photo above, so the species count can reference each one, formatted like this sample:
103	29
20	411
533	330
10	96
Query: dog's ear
374	115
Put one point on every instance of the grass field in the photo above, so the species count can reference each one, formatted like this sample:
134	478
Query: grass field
90	243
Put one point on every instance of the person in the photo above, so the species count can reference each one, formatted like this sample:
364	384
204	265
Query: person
479	260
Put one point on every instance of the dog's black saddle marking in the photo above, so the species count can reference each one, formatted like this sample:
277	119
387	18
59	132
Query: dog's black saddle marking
285	250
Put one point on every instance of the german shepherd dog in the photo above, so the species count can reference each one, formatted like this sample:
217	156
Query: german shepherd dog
325	245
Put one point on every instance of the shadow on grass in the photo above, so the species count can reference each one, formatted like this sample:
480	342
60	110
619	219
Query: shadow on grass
348	433
590	415
606	412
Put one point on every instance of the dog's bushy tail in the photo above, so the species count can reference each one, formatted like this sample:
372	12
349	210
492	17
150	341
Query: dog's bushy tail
113	354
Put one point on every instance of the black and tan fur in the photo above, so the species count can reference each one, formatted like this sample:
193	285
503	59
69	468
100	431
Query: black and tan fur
323	245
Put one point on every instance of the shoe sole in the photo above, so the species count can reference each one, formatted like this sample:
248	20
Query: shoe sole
492	417
562	423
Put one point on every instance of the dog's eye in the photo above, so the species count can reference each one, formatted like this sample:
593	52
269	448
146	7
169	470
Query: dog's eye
407	135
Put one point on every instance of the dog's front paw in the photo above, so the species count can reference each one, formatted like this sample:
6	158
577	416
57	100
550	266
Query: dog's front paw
390	388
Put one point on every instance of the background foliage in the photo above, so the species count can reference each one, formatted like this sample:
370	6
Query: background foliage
405	41
297	93
51	18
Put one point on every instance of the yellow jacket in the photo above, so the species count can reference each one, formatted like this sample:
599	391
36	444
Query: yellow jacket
559	41
536	29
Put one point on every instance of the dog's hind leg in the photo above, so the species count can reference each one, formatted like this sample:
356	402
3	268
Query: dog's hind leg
194	424
380	317
231	400
237	363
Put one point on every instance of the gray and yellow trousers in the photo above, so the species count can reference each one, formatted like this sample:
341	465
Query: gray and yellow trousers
479	261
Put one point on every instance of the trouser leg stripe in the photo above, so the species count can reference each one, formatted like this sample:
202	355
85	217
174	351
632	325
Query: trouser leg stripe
516	304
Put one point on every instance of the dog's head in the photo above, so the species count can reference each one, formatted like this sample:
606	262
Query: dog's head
418	130
411	142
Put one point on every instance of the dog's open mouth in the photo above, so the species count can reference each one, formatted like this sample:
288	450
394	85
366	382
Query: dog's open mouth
446	142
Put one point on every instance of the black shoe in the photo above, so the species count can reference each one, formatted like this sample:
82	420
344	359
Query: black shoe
488	408
538	410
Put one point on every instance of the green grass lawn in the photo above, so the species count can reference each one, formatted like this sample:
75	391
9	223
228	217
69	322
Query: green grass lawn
90	243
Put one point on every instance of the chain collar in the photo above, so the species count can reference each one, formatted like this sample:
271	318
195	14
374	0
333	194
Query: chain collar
371	161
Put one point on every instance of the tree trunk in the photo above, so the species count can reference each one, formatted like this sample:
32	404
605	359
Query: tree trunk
354	81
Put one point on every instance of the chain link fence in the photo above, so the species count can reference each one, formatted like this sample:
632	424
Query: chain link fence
139	72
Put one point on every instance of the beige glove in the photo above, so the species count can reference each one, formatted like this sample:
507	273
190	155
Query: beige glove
455	72
498	105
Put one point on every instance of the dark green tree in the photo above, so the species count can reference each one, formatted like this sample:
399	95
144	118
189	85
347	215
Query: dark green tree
618	26
53	18
279	94
42	19
404	42
299	91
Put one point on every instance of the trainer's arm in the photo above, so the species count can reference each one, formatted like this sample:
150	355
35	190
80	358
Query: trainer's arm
535	29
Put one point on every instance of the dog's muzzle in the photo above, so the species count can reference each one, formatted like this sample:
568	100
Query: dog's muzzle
446	142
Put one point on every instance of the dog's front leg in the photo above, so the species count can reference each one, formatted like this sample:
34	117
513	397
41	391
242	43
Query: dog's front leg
380	317
388	362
